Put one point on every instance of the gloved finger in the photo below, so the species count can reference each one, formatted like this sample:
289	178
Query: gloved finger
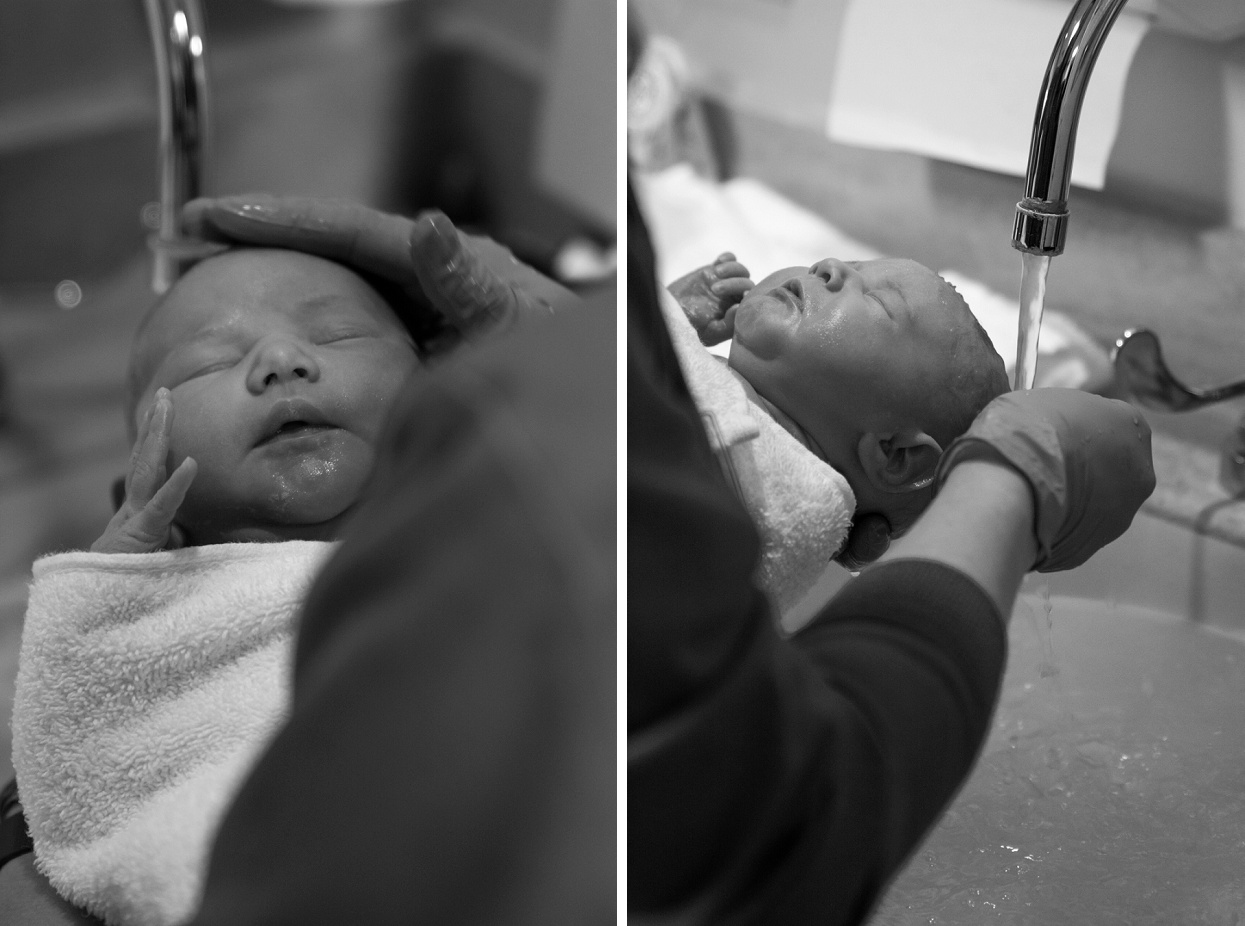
456	280
541	292
476	282
1086	458
367	239
724	257
1108	491
869	538
729	270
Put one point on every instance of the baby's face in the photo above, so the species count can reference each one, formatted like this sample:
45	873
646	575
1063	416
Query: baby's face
282	369
844	339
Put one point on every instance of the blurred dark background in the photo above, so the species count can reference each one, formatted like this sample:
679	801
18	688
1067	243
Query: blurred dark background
401	105
482	108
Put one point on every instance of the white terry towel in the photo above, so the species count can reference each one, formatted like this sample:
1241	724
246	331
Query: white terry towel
147	684
801	505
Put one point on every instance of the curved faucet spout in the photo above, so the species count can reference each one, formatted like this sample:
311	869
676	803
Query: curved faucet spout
1042	216
178	42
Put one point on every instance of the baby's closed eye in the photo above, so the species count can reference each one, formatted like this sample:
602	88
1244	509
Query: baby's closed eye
207	366
337	333
343	336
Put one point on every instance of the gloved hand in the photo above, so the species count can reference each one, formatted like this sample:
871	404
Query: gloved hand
709	296
458	285
1086	458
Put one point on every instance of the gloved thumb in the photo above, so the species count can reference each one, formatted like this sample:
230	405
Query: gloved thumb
458	281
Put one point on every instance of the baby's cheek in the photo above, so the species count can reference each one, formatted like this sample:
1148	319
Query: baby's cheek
317	485
382	395
188	439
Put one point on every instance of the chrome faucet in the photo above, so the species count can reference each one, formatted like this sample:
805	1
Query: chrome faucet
1042	216
1041	225
177	40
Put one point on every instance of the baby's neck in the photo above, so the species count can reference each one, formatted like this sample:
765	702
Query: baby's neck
785	421
203	535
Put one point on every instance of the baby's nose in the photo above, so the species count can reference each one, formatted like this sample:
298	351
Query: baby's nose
832	270
281	360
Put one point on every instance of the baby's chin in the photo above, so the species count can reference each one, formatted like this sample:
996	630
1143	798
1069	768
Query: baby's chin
305	497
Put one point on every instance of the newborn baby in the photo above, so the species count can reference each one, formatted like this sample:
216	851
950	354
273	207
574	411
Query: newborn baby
261	382
871	367
154	668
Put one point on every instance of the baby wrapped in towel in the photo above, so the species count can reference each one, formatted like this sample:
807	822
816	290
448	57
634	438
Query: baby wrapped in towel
844	382
155	667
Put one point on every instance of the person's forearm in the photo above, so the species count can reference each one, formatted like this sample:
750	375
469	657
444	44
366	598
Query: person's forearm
981	523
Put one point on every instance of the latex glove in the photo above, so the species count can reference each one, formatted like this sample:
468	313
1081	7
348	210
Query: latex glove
144	521
709	296
457	285
1086	458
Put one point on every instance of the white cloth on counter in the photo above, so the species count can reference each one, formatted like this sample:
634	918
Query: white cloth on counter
959	80
147	685
693	219
801	505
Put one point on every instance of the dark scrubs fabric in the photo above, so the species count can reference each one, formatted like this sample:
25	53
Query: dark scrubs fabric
771	780
451	755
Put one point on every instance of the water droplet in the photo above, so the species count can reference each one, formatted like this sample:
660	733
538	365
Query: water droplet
150	216
68	294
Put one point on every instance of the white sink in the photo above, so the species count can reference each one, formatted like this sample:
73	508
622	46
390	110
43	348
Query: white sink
1112	785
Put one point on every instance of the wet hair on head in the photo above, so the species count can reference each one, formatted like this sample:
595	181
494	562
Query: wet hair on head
976	375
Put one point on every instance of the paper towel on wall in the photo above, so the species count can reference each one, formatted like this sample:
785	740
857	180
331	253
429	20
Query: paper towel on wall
577	145
959	80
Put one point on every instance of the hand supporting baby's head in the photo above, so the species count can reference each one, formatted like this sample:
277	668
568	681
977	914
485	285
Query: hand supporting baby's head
878	364
280	370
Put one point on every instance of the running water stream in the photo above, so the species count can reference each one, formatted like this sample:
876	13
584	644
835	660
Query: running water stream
1034	268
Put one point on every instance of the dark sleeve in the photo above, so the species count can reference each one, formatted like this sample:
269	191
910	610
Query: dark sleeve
451	754
776	780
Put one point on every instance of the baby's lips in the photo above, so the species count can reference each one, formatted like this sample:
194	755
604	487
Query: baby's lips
287	411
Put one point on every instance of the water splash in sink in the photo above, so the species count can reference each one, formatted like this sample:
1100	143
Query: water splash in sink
1047	667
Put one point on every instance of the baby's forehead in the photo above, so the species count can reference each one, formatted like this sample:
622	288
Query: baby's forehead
252	290
261	283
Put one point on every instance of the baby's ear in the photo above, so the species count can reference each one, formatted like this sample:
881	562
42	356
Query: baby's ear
899	461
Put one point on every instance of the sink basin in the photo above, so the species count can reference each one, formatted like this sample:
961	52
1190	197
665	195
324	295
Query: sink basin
1112	785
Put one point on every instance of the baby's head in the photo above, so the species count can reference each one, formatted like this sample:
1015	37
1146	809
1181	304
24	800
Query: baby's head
880	364
282	368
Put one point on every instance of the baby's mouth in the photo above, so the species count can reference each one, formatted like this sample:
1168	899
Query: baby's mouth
792	293
295	429
290	419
